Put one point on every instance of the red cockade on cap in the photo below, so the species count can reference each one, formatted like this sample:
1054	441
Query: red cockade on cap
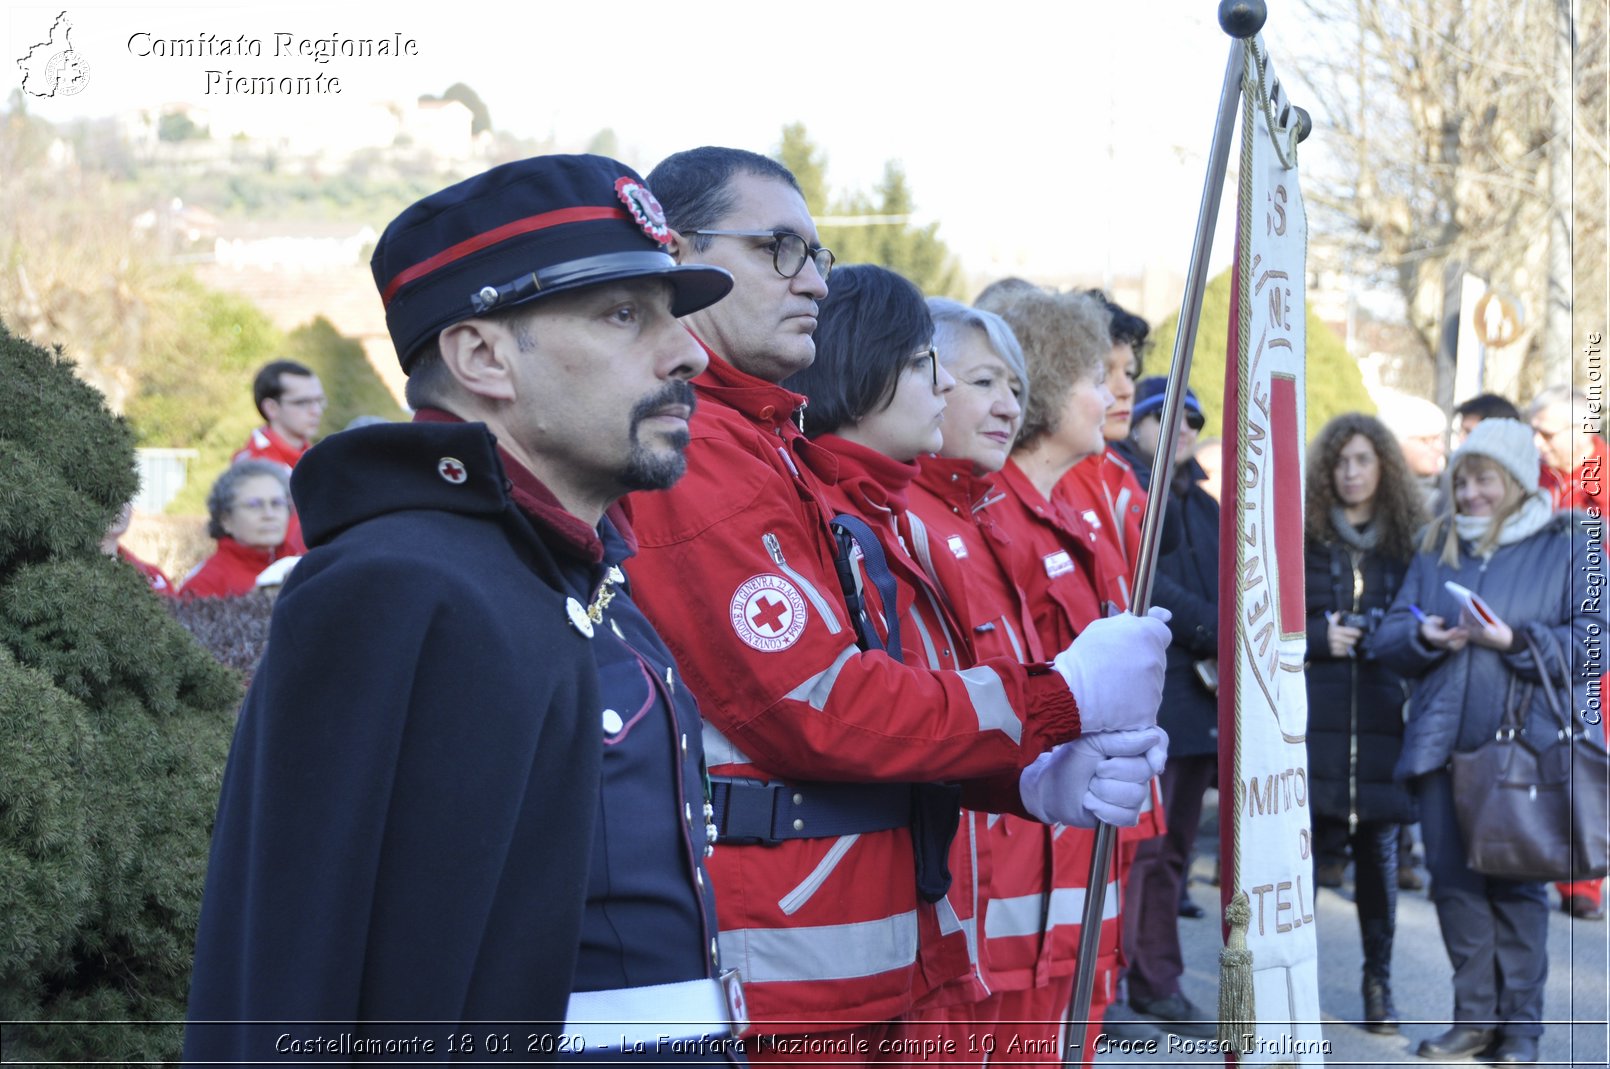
644	208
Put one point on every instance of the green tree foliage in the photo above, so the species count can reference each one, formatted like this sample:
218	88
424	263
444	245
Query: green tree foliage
177	126
1334	383
200	395
114	726
917	252
481	118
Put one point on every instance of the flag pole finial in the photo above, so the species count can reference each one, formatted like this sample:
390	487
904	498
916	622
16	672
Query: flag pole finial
1242	18
1305	123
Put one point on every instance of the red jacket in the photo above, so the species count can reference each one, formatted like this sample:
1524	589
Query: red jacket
231	571
1067	574
265	443
1104	491
736	570
1584	488
160	584
876	488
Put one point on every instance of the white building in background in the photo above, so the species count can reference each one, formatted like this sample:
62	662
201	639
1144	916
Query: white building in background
311	138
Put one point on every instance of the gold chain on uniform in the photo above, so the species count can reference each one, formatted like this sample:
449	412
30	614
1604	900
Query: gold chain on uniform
606	594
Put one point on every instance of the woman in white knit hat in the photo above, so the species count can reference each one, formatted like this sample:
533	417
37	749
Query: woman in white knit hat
1530	565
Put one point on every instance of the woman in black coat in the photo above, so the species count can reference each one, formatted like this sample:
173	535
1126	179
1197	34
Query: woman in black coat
1363	510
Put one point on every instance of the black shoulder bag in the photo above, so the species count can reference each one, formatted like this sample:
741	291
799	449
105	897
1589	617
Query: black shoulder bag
1536	809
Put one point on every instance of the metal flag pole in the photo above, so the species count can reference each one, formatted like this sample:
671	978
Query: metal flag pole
1240	19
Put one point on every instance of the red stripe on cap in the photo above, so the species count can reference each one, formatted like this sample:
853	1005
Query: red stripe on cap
529	224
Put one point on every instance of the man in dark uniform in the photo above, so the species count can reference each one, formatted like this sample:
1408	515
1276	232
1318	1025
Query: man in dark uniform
464	815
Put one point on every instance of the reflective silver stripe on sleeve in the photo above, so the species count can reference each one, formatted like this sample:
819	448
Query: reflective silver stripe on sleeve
793	900
988	695
1118	508
949	923
718	749
824	952
927	641
1011	636
774	551
1008	917
819	688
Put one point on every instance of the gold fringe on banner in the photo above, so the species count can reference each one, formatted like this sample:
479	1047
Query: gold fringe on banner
1237	1010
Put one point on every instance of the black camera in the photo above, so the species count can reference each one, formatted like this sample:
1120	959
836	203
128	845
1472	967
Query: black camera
1366	622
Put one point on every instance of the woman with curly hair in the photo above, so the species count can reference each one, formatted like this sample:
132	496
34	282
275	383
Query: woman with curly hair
1363	510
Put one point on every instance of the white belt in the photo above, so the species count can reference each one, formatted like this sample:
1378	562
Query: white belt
610	1020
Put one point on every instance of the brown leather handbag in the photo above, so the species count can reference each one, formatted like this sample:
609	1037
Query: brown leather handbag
1536	809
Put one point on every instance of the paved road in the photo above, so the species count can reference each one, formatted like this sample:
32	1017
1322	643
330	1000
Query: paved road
1576	1005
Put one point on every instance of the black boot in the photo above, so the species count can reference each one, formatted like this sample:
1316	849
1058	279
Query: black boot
1379	1013
1380	1016
1457	1044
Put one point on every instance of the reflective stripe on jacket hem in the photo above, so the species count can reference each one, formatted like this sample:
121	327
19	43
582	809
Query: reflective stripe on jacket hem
1020	915
822	952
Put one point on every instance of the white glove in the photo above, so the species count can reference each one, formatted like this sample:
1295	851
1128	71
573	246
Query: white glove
1115	671
1105	777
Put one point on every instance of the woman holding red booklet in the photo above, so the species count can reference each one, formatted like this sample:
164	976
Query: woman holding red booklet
1502	542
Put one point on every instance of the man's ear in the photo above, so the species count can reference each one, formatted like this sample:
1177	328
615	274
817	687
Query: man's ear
477	352
678	246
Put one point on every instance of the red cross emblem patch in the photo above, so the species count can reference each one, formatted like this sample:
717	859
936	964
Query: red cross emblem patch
451	469
768	613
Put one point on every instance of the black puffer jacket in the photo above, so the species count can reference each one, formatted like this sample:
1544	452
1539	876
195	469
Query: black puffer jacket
1187	584
1356	705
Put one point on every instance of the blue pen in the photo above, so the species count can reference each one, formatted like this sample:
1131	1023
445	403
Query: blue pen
1418	615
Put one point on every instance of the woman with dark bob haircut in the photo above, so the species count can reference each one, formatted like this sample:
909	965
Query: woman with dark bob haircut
1363	512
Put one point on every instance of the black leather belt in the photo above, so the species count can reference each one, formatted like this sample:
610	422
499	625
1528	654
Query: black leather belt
770	813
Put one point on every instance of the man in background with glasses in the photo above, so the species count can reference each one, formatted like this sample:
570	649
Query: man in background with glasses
814	745
292	403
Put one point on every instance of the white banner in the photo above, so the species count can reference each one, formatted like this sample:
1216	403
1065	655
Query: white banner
1263	703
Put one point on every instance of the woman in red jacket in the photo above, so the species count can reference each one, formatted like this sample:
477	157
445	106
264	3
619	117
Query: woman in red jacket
879	400
249	513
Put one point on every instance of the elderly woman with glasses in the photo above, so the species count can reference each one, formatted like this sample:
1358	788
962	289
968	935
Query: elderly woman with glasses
249	513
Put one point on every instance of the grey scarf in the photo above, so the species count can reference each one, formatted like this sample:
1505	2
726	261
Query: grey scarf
1364	540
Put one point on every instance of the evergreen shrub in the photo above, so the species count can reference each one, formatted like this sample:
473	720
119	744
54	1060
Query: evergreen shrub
114	726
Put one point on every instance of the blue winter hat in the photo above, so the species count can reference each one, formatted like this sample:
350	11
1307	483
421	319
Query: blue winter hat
1149	402
522	231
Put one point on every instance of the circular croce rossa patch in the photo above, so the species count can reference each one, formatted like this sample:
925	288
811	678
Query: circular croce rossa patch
768	613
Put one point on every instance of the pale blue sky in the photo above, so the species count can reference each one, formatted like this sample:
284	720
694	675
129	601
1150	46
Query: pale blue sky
1046	138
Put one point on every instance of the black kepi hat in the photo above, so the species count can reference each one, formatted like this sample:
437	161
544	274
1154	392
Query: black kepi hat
522	231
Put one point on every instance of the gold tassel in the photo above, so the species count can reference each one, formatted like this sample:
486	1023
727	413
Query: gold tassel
1237	1010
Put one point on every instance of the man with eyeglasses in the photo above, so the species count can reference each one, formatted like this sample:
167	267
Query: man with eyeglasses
814	744
291	401
464	815
1571	448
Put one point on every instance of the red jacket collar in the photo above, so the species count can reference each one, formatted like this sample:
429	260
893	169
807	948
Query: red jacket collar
870	475
538	503
759	400
954	480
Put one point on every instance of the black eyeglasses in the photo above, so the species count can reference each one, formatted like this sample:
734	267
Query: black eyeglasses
931	356
789	251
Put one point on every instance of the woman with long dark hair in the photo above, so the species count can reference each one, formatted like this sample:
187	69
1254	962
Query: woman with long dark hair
1499	538
1363	512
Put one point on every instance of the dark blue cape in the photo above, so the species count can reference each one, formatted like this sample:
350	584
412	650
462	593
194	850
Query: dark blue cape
408	808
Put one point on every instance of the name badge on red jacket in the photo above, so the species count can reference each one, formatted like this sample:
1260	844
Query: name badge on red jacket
1058	563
